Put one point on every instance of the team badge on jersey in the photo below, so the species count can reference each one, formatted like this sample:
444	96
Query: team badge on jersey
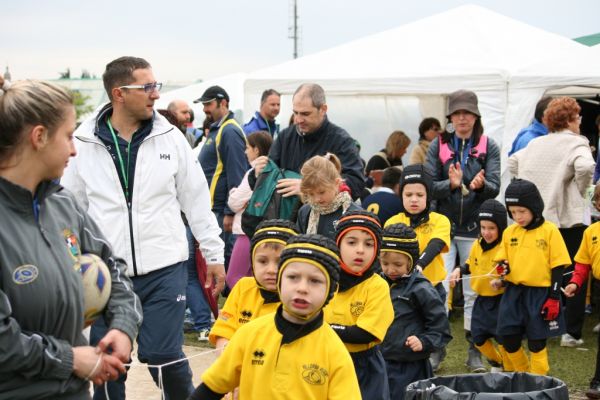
25	274
72	244
314	374
541	244
357	308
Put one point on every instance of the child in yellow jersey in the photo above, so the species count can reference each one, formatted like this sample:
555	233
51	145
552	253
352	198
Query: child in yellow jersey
432	229
586	259
256	296
492	223
531	259
420	324
362	311
291	354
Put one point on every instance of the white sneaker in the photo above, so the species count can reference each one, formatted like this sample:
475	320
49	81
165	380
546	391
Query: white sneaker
203	335
567	340
496	369
596	328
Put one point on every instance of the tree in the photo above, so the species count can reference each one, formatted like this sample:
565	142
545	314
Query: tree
80	103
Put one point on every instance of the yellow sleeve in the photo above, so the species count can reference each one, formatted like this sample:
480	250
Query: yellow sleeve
378	314
224	374
559	255
396	219
502	254
583	254
442	230
343	384
227	323
472	255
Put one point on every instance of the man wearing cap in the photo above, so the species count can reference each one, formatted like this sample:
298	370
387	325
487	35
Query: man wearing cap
465	166
222	158
313	134
264	119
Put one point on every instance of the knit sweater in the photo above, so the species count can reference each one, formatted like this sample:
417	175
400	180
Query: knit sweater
561	165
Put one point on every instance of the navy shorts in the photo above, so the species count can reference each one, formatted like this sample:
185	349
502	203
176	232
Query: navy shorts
371	373
485	318
521	313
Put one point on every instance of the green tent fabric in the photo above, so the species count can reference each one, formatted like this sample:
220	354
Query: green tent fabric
589	40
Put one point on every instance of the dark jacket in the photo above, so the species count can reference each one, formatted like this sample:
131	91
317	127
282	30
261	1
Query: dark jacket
231	163
291	149
418	311
462	210
326	222
41	293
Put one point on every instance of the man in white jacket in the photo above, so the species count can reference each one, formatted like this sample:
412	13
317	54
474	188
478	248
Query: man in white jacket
135	173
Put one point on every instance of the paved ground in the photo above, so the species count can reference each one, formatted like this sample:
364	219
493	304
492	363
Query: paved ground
140	385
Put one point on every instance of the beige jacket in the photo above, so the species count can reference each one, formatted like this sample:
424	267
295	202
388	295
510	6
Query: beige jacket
561	165
419	153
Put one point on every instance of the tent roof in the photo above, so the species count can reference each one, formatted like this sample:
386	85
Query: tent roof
470	43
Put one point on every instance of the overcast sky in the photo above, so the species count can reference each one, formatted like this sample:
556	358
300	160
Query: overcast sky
189	40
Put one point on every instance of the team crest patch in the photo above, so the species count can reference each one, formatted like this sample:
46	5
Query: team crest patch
541	244
314	374
72	244
426	228
25	274
357	308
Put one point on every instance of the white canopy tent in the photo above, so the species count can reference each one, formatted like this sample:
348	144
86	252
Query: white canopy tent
233	85
393	79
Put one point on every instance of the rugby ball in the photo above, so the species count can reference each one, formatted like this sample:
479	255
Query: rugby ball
96	286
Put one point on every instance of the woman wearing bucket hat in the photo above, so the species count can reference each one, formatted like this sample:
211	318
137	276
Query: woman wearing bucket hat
465	165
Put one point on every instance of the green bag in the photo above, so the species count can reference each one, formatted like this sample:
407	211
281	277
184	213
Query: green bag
265	203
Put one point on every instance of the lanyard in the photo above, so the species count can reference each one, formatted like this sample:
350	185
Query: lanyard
124	171
463	153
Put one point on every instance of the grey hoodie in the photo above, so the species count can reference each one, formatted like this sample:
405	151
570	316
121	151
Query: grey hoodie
41	294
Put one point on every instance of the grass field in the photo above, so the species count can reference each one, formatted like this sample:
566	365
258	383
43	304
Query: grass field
575	366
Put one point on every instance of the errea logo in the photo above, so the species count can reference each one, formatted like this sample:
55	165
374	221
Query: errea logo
258	357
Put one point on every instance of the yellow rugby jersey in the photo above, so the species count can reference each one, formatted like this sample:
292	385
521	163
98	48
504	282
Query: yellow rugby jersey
243	304
482	263
367	305
532	254
316	366
438	227
589	250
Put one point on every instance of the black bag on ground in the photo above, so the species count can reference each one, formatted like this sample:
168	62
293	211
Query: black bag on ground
490	386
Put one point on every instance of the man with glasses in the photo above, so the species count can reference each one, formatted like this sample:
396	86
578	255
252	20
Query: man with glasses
135	174
222	158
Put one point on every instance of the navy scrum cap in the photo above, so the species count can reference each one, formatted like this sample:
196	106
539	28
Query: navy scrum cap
521	192
213	93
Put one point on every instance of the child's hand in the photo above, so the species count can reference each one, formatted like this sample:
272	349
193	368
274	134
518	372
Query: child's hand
496	284
502	268
414	343
570	290
454	277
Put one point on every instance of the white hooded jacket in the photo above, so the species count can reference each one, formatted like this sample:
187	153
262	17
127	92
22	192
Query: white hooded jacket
168	180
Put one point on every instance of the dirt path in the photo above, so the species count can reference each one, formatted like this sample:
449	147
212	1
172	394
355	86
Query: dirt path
140	385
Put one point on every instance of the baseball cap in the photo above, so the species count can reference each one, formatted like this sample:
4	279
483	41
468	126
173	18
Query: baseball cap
213	93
